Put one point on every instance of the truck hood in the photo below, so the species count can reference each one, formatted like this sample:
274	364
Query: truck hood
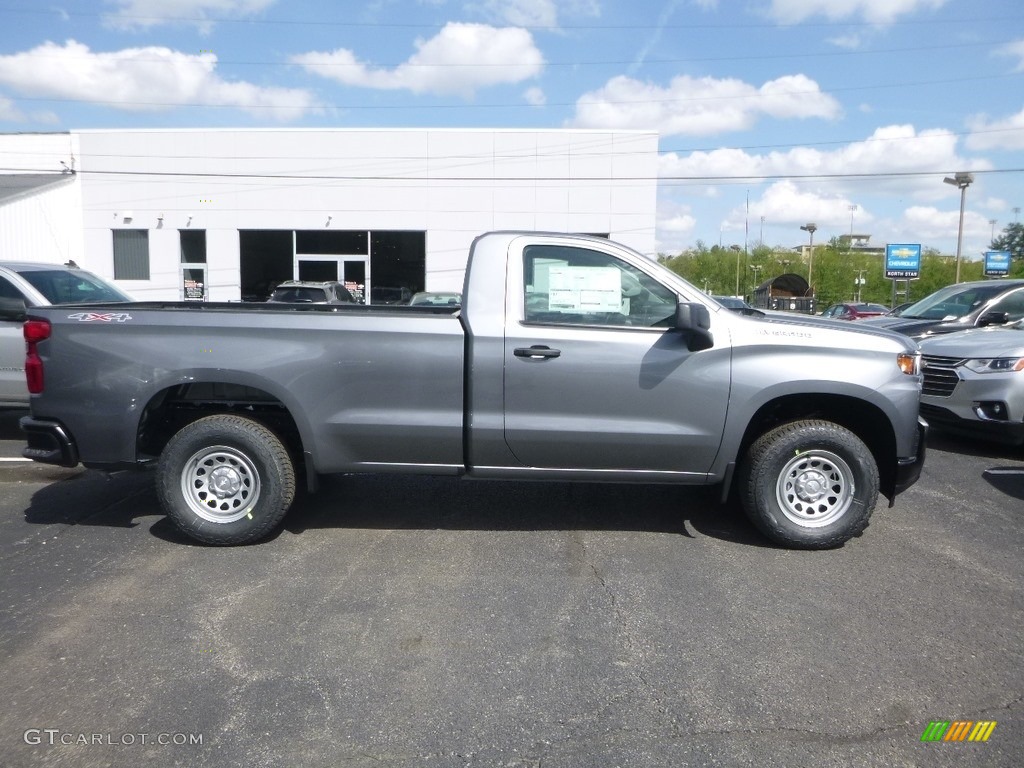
787	323
977	343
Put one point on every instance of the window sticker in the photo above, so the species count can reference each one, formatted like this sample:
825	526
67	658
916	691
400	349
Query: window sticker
584	290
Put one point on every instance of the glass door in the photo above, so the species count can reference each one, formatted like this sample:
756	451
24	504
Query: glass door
350	271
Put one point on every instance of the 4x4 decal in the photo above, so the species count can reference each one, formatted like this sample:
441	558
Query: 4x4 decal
101	317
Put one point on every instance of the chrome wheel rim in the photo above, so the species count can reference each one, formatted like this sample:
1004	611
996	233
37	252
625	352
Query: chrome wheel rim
220	484
815	488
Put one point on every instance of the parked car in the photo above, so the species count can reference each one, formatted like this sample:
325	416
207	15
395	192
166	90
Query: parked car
436	299
959	307
854	311
389	295
974	382
736	304
307	292
40	285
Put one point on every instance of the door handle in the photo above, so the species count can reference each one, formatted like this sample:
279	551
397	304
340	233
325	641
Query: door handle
537	352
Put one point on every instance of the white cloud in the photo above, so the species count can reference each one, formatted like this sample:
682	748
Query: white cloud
880	12
143	14
533	13
522	13
700	106
10	113
786	203
675	227
1015	50
460	59
142	79
929	223
1007	133
535	97
889	150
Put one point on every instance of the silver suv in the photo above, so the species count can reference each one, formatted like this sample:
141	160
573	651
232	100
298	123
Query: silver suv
40	285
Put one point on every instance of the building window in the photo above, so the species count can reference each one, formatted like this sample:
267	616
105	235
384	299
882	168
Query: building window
131	254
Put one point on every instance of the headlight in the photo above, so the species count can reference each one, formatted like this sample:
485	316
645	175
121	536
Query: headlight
995	364
909	363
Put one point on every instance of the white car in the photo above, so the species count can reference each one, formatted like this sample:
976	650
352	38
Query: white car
974	382
30	285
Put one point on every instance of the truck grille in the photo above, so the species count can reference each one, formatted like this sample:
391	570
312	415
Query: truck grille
940	376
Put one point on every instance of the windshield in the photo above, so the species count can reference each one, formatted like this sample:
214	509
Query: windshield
953	302
73	286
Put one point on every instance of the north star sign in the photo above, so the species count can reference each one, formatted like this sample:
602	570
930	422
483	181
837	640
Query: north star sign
903	261
997	263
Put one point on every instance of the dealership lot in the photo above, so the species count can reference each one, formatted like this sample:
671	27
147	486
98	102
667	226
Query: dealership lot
419	621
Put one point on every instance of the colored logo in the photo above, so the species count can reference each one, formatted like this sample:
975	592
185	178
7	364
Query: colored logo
100	317
958	730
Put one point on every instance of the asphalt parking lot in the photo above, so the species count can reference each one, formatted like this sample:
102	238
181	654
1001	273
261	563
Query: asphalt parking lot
436	622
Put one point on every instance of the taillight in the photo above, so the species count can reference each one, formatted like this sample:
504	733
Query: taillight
34	331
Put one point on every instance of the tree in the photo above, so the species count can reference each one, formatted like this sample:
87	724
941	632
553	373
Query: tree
1012	240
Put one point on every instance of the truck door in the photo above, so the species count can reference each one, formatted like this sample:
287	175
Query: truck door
595	377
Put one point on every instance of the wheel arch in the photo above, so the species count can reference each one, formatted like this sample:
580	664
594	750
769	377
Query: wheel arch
176	406
866	420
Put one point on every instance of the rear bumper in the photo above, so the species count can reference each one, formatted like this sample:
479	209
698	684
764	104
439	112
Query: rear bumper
908	469
49	442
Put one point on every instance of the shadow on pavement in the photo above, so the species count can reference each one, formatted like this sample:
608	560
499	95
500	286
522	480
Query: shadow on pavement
411	503
419	503
9	429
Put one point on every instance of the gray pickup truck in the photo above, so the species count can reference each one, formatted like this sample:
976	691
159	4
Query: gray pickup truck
571	359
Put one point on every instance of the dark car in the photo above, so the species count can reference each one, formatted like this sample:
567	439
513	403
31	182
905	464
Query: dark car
306	292
958	307
736	304
390	295
854	311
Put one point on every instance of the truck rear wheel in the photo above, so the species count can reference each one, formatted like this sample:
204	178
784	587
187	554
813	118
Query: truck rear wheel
226	480
809	484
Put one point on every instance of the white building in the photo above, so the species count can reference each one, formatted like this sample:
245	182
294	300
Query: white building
223	215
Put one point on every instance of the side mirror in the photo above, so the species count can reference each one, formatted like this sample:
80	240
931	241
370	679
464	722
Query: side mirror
993	318
694	320
12	310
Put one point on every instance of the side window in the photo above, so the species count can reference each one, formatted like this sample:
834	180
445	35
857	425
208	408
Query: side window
578	286
8	291
1012	305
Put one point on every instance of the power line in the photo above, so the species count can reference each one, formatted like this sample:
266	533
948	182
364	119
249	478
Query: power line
320	22
435	178
789	55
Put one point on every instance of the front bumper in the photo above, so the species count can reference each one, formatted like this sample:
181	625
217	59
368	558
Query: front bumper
49	442
908	469
1011	432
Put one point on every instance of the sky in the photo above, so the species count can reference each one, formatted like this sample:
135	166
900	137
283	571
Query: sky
771	113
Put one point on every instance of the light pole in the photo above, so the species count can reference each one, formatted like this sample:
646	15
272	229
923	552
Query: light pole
737	249
756	268
810	229
962	180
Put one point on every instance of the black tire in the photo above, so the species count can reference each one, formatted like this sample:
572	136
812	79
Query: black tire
226	480
809	484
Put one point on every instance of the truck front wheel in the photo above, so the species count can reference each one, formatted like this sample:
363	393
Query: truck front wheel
809	484
225	480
